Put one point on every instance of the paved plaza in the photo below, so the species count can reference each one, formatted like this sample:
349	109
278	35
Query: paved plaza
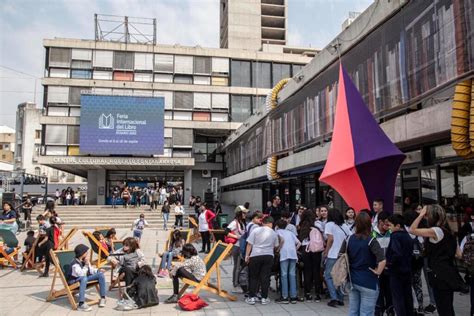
23	293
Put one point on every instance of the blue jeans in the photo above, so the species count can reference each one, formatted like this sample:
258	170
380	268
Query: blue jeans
82	289
362	301
166	216
333	292
166	259
288	276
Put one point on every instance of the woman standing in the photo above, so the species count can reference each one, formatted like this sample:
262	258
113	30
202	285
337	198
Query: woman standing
441	248
166	214
178	214
205	223
366	263
234	231
27	209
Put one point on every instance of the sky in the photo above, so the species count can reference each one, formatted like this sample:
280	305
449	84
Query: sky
25	23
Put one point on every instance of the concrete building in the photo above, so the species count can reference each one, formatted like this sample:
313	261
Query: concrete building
7	145
208	92
405	57
28	147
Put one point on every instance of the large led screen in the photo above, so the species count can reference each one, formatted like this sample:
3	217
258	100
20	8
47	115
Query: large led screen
121	125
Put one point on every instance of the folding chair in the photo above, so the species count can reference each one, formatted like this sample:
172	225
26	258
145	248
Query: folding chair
194	226
217	235
96	246
9	239
115	282
103	230
62	260
212	261
185	235
29	258
64	243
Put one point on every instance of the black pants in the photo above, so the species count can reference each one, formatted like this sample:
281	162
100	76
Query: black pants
260	268
130	275
44	251
206	241
444	302
178	219
27	214
312	271
182	273
384	301
402	298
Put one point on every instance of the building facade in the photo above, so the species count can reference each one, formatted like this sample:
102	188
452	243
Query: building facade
405	57
7	147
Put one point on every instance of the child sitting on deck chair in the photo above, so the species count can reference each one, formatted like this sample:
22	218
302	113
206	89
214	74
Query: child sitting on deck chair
83	272
174	249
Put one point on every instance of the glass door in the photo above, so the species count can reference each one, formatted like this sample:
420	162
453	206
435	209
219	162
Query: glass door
428	185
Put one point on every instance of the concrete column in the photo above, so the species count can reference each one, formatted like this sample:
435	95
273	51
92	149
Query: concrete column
188	185
96	189
101	187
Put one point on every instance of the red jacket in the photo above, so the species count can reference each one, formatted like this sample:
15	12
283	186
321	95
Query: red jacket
209	218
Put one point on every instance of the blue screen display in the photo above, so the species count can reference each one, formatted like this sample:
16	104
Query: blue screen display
121	125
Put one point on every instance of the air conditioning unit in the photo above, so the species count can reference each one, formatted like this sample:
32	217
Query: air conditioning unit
206	173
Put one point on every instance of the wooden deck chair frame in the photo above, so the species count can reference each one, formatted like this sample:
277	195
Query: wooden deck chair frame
196	235
99	262
64	243
217	235
186	240
102	230
67	290
29	258
9	258
205	284
116	244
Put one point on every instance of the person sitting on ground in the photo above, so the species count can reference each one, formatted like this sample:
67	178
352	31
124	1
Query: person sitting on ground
175	246
110	237
192	268
129	259
82	271
138	226
101	239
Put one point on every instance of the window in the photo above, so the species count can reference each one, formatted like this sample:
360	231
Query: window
75	112
37	171
180	153
220	81
202	100
202	80
81	64
258	103
58	73
241	108
182	137
123	60
103	58
58	111
72	151
168	95
220	66
142	93
183	79
143	61
168	132
122	92
219	117
38	134
163	78
143	77
59	57
57	94
201	116
123	76
202	65
183	64
56	150
102	91
183	100
205	148
168	115
56	135
297	68
163	63
102	75
220	101
261	75
81	54
183	116
280	71
75	95
73	135
240	73
81	74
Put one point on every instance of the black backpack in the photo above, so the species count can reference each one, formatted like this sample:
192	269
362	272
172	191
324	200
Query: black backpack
418	250
143	291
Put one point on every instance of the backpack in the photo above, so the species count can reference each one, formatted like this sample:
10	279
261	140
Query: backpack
417	259
243	240
340	271
191	302
141	224
144	291
244	278
316	241
468	254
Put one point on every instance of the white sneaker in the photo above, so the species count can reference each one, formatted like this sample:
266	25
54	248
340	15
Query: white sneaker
84	308
102	302
237	290
250	300
265	301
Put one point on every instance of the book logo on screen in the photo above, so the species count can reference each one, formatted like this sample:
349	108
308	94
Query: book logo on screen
106	121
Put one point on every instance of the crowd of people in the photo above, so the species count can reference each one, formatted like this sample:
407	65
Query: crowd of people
69	196
151	196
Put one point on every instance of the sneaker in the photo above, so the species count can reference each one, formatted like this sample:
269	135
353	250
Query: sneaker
430	309
44	275
237	290
340	303
250	300
102	302
172	299
332	303
281	300
84	308
308	297
164	274
266	301
317	298
293	300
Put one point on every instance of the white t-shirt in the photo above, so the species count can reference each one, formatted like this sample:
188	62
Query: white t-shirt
235	228
140	223
439	235
288	250
339	234
179	210
263	240
292	228
203	225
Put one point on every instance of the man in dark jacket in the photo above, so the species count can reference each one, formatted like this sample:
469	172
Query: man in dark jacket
399	257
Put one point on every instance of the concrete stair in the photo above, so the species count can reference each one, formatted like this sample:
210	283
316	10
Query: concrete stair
89	216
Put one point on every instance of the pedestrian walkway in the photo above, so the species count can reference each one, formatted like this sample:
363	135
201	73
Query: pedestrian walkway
23	293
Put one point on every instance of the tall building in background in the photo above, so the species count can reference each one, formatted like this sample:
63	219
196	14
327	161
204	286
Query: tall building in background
7	148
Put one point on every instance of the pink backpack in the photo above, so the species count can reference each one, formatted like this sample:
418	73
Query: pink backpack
316	241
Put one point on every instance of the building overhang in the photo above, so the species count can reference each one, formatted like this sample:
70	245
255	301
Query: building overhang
79	165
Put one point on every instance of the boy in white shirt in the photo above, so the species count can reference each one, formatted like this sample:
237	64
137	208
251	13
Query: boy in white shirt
138	226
